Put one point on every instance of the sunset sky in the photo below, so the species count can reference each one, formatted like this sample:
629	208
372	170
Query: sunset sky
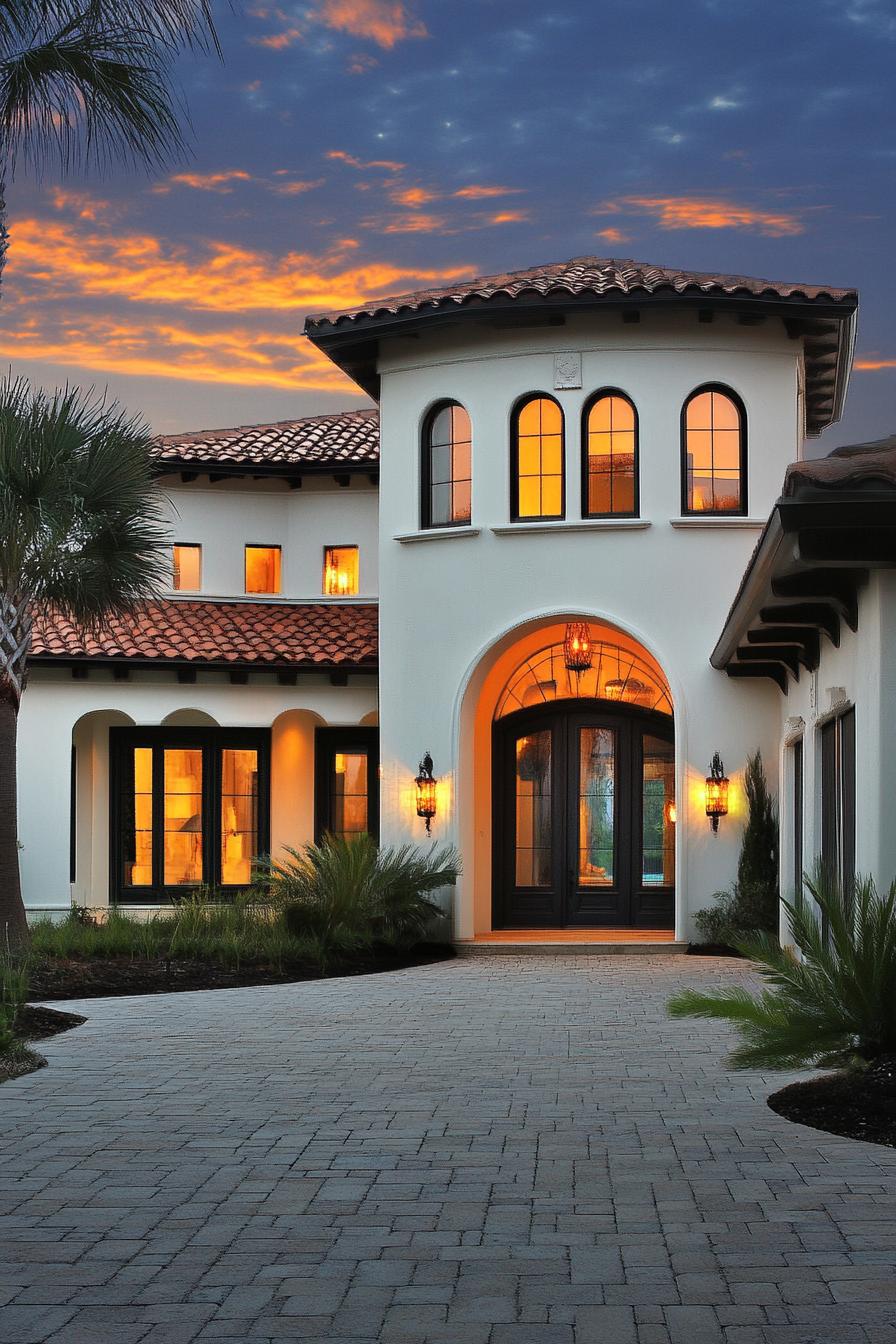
351	148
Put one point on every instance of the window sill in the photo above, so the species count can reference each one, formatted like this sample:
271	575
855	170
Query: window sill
436	534
721	520
581	525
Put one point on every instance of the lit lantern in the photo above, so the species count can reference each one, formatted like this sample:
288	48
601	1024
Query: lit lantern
426	792
577	649
670	812
716	792
613	690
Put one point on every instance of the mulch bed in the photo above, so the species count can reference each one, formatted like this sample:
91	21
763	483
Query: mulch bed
713	950
854	1105
100	977
34	1024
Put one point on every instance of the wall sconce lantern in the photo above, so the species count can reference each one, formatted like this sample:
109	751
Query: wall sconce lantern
716	792
577	650
426	792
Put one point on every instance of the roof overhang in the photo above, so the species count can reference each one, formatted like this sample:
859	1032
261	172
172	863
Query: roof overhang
803	581
826	328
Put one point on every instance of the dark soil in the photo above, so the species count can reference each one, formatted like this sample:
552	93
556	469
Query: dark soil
34	1024
854	1105
713	950
99	977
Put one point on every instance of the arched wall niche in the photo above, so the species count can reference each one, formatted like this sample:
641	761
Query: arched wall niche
292	779
189	718
90	740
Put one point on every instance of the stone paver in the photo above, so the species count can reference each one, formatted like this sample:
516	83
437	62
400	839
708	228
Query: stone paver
497	1151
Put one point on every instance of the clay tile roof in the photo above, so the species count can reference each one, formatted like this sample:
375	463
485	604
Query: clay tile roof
344	439
855	464
596	276
245	634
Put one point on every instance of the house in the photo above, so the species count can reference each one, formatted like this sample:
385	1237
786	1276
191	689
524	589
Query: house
557	560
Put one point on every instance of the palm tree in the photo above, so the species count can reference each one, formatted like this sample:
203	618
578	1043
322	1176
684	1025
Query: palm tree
81	533
92	80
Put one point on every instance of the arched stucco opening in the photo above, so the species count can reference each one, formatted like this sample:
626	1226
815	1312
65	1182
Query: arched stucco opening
292	779
189	718
90	804
509	676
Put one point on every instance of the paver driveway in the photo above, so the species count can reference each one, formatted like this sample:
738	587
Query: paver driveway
500	1151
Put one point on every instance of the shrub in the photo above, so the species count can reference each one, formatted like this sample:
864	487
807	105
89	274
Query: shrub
13	993
837	1005
347	894
752	902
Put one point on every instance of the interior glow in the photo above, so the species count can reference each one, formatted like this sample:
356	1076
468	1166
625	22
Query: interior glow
340	571
138	861
713	433
539	437
611	457
262	569
182	816
348	794
239	814
614	674
186	567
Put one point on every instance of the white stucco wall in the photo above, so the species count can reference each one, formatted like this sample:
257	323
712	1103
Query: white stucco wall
445	603
225	517
57	711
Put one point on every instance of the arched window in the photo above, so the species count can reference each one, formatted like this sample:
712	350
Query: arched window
609	456
537	485
713	452
447	466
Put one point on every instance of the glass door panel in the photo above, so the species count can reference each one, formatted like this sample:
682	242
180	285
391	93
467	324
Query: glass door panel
183	816
533	806
348	794
657	813
596	807
239	815
137	828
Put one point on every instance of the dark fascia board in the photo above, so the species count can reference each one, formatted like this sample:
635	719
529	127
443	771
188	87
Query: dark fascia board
351	343
196	665
287	470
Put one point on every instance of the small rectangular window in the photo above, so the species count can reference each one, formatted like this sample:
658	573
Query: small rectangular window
340	571
347	782
186	568
263	569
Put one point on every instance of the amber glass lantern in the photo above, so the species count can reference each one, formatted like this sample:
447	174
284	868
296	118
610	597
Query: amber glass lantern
577	651
716	792
426	792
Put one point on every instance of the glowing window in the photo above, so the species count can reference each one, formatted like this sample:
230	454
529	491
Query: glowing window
538	466
262	569
182	814
340	571
713	453
186	568
447	467
137	821
239	815
611	445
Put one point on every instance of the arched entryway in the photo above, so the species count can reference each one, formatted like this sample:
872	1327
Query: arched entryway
583	788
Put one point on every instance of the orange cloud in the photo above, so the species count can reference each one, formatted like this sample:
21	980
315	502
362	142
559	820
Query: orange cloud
219	182
216	276
415	223
477	193
509	217
684	212
295	188
612	236
385	22
350	159
413	196
84	205
873	363
278	41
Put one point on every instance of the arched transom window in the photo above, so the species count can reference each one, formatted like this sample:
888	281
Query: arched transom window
616	674
447	466
713	453
610	484
538	459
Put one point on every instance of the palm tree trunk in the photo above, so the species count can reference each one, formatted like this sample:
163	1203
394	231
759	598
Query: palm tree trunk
13	923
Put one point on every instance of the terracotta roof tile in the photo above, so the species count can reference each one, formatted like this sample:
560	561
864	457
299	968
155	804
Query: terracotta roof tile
214	633
854	464
581	275
343	439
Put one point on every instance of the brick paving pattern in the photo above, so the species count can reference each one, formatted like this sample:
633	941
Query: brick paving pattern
497	1151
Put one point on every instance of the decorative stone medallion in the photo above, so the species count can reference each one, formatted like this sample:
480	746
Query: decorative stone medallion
567	370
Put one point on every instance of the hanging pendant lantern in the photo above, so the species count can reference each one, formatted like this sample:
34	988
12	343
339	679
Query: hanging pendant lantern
577	647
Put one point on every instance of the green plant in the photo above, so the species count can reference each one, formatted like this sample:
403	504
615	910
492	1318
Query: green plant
836	1005
13	993
345	894
752	902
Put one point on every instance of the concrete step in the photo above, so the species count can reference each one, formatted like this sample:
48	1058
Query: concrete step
555	948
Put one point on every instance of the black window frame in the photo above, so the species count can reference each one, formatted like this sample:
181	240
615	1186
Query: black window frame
724	390
516	410
837	742
212	742
587	408
797	818
327	743
426	482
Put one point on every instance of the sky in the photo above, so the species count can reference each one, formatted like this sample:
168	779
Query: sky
350	149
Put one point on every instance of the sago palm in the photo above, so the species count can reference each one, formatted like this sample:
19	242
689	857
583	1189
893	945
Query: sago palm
80	533
92	80
834	1006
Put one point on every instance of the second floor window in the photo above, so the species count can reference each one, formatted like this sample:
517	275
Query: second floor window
610	433
537	486
186	568
340	571
263	569
447	467
714	453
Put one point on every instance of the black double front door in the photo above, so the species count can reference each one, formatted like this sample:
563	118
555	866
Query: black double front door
584	817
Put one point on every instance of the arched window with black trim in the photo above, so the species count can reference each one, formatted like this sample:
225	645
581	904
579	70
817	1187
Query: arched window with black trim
447	466
609	456
714	452
537	487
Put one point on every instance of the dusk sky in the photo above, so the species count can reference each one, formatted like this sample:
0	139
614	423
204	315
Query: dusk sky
348	149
